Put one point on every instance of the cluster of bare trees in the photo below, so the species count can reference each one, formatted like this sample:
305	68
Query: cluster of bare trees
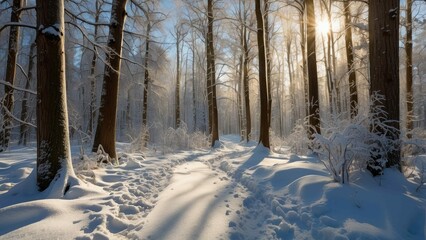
240	67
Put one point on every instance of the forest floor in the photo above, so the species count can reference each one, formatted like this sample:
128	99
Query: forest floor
237	191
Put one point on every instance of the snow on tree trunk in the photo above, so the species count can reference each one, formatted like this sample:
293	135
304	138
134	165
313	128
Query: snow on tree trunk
54	166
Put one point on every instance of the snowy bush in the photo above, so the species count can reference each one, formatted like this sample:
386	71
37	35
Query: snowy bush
298	139
357	143
180	139
414	160
277	142
139	143
416	144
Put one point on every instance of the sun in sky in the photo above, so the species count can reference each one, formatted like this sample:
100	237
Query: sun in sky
322	26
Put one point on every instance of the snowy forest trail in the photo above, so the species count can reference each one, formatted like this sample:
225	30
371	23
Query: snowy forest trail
199	203
235	191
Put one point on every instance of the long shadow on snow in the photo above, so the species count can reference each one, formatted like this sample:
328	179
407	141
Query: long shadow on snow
163	231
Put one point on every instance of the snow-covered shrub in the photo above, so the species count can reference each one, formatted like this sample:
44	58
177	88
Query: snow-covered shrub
363	142
139	143
298	139
103	157
416	144
180	139
340	149
277	142
415	169
414	157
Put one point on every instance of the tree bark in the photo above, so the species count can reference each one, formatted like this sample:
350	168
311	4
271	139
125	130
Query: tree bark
92	108
146	85
194	100
304	62
10	74
211	77
409	66
53	147
177	90
268	58
313	95
263	78
383	21
23	130
353	91
246	84
106	128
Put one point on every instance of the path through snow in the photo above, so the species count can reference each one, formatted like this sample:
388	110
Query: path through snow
199	203
237	191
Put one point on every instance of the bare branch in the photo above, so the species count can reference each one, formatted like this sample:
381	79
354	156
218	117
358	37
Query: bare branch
17	88
15	24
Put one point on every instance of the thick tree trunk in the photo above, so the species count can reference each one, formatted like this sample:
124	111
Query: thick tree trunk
409	65
350	60
106	128
23	130
383	22
53	148
313	106
263	78
211	77
10	75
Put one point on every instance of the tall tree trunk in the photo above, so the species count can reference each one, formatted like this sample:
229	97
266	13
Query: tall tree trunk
304	62
313	106
146	85
92	108
353	91
23	130
263	78
246	84
409	65
383	22
268	58
128	111
106	128
211	76
292	83
53	147
240	89
194	101
177	90
10	75
244	71
92	92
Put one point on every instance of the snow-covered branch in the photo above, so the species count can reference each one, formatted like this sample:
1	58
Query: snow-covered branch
18	88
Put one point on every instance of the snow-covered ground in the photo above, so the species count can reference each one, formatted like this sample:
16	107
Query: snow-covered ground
238	191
